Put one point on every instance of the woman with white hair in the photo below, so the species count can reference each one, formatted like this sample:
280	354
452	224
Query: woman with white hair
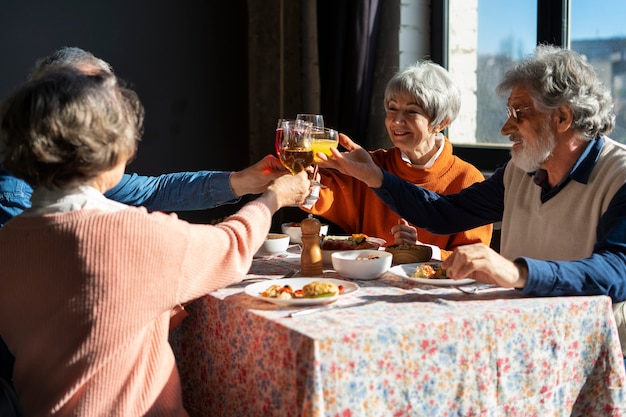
420	102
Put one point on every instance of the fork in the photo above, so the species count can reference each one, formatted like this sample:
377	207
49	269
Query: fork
290	273
474	288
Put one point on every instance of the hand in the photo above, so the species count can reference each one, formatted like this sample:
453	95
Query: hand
288	190
357	162
256	178
403	232
478	261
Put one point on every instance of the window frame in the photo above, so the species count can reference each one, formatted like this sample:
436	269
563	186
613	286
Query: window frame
552	28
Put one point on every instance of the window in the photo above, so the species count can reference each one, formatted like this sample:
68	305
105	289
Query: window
486	37
597	31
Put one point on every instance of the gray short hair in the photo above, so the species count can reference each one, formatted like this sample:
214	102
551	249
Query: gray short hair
432	87
66	128
555	77
69	56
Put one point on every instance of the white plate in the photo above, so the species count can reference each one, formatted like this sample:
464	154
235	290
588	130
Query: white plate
406	270
255	290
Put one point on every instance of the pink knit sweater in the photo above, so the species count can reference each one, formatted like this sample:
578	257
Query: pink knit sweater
85	301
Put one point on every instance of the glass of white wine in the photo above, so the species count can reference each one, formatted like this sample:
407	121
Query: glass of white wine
316	120
322	139
295	153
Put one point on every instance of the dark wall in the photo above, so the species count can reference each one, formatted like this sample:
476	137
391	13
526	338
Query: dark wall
186	59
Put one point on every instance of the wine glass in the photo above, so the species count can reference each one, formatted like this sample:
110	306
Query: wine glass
316	120
322	139
317	128
295	151
278	139
293	146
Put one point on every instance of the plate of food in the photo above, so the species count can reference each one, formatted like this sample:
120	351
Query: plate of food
301	291
357	241
430	273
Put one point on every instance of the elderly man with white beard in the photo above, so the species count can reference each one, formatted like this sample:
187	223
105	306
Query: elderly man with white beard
561	198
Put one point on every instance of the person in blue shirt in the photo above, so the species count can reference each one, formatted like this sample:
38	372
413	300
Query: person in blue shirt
183	191
561	198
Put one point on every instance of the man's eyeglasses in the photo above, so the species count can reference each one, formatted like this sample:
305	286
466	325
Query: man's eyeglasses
513	112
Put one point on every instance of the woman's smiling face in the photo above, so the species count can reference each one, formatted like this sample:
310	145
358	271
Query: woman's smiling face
407	123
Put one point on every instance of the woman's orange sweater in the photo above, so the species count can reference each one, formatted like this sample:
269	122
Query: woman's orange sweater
351	205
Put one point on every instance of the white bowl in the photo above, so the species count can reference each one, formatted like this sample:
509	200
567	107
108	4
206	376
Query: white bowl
295	233
328	253
274	244
361	264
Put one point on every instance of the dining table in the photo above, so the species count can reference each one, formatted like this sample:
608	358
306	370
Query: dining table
396	347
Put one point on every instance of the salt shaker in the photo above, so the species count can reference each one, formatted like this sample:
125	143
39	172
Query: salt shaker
311	258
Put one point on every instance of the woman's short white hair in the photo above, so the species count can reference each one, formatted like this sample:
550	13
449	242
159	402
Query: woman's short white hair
431	86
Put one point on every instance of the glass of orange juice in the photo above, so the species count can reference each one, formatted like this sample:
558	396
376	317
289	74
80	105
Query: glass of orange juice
322	139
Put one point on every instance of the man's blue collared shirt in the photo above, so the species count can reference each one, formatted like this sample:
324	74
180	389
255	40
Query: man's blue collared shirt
602	272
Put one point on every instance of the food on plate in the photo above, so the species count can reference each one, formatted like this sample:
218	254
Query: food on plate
271	236
407	253
318	289
359	237
356	241
430	270
278	291
315	289
367	258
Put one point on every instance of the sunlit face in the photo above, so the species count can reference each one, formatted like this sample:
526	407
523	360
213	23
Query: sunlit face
531	132
407	123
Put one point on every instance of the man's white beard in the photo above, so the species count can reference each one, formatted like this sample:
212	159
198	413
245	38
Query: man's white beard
532	156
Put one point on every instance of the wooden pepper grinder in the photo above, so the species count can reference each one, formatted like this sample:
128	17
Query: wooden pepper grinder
311	258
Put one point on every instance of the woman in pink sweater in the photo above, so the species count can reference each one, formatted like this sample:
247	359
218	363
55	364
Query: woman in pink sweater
88	283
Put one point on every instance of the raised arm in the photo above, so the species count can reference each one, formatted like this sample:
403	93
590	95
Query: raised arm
178	191
477	205
356	162
196	190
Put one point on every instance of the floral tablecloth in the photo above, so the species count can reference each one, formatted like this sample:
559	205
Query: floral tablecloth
413	350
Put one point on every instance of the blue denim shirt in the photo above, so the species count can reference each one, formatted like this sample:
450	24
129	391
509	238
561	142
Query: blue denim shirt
169	192
602	273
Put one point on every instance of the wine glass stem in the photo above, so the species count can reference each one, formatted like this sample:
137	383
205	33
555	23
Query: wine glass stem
314	182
